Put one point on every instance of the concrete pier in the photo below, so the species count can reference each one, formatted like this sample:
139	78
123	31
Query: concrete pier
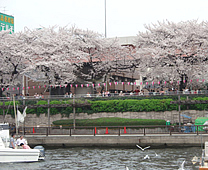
118	141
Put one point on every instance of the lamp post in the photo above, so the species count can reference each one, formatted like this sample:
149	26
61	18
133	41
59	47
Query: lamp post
105	21
105	37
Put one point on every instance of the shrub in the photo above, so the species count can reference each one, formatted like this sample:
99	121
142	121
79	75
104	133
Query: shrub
132	105
113	121
127	105
41	109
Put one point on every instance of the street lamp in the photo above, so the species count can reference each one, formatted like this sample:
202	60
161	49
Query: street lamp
105	20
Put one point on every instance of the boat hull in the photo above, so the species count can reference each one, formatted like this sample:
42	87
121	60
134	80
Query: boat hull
19	155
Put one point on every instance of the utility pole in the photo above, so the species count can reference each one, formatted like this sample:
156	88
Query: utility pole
15	115
74	112
105	21
179	111
49	124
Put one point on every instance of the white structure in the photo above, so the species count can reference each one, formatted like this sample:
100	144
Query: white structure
129	40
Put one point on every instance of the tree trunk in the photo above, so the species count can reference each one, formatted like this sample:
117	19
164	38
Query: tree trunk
182	84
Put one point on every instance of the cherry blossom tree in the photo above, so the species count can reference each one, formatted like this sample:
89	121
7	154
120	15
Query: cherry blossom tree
104	55
173	51
12	53
68	55
61	55
53	51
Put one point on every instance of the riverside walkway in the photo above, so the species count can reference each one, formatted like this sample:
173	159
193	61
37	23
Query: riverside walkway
154	140
116	136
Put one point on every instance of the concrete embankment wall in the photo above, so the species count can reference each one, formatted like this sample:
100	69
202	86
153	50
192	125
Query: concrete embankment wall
118	141
42	120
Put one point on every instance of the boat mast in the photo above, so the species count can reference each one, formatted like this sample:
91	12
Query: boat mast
15	115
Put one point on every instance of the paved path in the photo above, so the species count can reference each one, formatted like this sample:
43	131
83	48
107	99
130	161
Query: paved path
115	140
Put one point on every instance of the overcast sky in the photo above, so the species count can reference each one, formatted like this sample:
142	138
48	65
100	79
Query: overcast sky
124	17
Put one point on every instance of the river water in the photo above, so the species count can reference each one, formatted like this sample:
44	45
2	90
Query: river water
80	158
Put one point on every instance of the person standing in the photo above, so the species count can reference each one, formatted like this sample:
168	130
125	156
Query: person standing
66	95
12	143
137	91
88	94
70	95
21	140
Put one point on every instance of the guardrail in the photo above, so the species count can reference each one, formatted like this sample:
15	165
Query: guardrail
119	95
113	130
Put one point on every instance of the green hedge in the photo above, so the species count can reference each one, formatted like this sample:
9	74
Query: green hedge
199	106
131	105
10	107
113	121
128	105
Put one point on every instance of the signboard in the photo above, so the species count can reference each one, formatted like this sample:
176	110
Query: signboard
6	22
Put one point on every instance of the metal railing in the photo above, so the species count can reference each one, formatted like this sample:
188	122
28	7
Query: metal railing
106	95
113	130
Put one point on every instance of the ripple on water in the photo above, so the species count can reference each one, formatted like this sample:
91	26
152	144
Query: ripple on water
111	159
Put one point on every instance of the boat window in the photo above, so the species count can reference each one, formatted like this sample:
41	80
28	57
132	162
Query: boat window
4	127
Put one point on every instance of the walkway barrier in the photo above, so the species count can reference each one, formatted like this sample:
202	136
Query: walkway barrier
33	130
95	131
114	130
124	129
106	131
78	96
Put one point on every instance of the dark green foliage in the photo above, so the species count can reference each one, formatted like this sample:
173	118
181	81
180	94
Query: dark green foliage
174	97
199	106
131	105
40	109
113	121
119	105
10	106
54	111
66	111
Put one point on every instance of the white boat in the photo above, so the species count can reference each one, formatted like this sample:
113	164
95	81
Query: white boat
204	158
14	155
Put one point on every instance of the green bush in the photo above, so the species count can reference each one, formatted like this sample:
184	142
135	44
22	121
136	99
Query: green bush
67	111
199	106
127	105
10	107
113	121
41	109
132	105
54	110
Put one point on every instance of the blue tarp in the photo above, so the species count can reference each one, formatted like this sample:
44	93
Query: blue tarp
186	116
188	129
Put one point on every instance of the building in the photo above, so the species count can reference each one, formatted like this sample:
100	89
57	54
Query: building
6	22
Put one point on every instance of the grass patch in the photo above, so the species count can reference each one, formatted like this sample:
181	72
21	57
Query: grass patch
113	121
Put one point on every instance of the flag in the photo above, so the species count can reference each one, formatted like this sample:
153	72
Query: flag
24	111
20	117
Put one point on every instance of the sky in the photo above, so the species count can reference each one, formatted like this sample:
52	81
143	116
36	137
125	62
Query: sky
123	17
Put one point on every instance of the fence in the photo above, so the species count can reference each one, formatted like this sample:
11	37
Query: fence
116	95
113	130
